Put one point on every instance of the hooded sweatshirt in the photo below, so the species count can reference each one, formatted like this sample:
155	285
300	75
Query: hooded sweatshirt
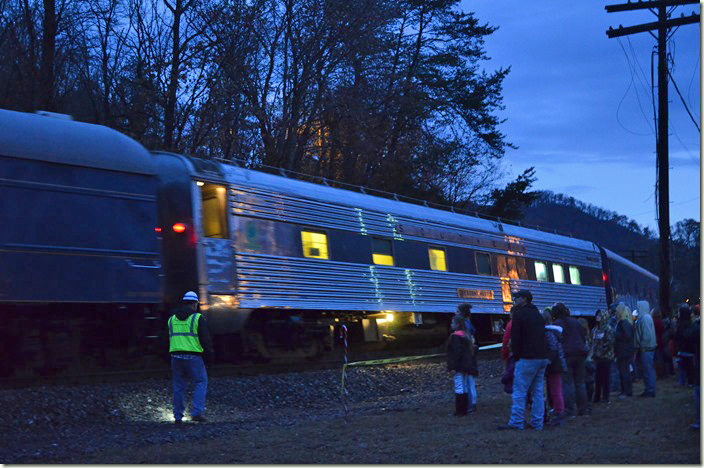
645	338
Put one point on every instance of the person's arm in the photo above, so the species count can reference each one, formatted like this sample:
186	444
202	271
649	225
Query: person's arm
505	341
516	336
205	339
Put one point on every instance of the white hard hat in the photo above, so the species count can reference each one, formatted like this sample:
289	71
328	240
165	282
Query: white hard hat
190	296
635	312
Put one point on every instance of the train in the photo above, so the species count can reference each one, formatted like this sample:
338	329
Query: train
101	238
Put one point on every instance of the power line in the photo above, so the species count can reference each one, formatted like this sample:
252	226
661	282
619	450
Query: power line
632	70
672	78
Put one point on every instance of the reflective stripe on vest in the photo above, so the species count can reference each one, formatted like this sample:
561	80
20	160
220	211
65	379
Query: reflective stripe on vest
183	334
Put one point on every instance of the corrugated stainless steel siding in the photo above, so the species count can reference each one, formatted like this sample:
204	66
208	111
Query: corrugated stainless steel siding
271	281
249	201
253	202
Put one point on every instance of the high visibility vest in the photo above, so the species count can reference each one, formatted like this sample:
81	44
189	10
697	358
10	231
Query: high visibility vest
183	334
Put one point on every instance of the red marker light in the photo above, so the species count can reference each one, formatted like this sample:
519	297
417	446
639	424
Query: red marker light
604	277
179	227
157	229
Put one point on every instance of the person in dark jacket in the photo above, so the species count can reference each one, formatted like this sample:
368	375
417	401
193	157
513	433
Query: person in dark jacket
573	383
624	349
462	361
189	339
557	366
685	356
530	350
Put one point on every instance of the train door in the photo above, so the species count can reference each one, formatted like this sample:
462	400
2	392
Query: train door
508	271
217	259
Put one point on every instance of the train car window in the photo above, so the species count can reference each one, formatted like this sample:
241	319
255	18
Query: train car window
558	273
541	271
315	244
574	275
437	259
382	252
483	263
214	210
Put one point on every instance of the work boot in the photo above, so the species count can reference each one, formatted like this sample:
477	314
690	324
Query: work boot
199	418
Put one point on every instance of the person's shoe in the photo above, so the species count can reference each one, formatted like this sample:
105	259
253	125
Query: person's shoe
621	396
177	421
507	427
472	408
199	418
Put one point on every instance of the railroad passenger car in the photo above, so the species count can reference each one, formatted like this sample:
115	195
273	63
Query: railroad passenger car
79	258
101	237
275	247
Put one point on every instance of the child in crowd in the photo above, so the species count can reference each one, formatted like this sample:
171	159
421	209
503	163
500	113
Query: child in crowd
462	361
554	371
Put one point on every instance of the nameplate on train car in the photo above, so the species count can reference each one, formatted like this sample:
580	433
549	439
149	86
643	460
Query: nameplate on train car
460	238
475	294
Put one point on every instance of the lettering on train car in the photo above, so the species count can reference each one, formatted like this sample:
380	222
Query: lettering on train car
475	294
459	238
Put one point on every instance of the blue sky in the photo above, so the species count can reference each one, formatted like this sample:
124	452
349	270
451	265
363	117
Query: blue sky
578	104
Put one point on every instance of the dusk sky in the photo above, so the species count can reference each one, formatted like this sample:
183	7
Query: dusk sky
582	115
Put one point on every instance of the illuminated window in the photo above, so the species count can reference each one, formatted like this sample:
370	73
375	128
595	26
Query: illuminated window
483	263
437	259
213	210
382	253
541	271
574	275
315	244
558	273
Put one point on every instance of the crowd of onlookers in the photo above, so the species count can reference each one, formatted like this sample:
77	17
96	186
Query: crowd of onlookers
580	365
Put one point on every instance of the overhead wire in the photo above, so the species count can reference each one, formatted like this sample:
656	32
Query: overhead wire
632	68
684	103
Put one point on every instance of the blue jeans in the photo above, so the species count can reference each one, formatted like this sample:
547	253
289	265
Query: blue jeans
528	376
647	359
464	383
183	369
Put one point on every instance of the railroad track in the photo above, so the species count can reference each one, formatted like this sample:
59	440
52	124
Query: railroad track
332	360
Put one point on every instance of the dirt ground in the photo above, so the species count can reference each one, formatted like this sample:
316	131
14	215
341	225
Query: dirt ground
418	428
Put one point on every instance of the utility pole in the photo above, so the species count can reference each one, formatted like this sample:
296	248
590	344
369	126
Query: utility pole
662	26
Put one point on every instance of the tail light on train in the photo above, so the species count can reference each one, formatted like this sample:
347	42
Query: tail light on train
179	228
604	277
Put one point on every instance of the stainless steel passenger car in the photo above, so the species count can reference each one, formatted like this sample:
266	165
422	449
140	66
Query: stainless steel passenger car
272	246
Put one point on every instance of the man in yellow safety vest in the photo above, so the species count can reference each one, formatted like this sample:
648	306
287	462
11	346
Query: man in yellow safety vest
188	340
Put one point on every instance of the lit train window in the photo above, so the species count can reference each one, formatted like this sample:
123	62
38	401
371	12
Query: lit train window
437	259
558	273
541	271
382	253
315	244
213	210
574	275
483	263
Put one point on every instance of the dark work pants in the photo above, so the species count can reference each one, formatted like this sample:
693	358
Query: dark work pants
625	372
602	380
573	386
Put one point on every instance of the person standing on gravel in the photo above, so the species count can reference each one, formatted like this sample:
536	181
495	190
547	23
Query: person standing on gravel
554	371
462	360
623	349
189	339
603	337
530	350
573	384
646	343
465	311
